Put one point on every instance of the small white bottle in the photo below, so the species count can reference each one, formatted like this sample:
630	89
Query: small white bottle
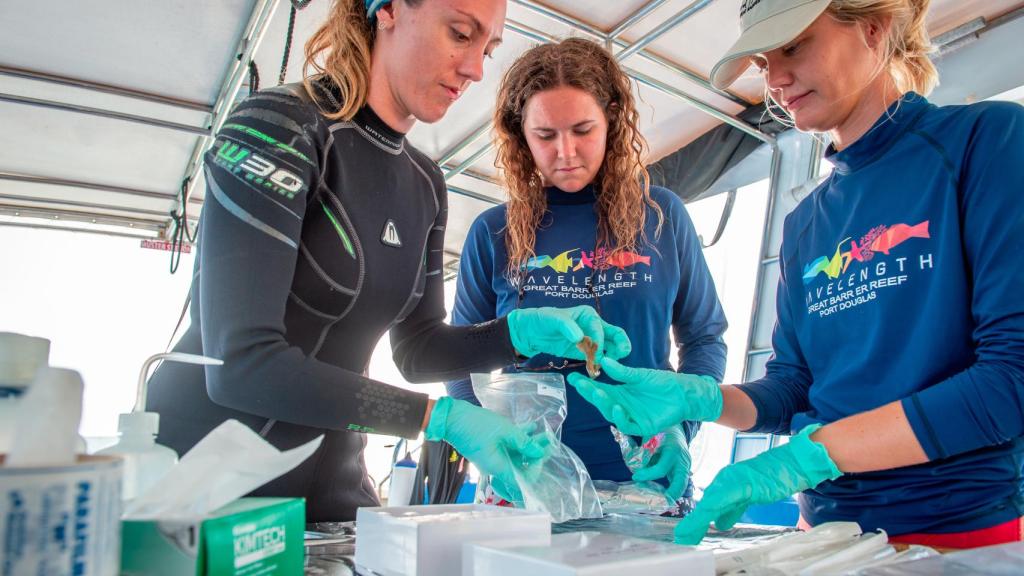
403	475
20	358
145	461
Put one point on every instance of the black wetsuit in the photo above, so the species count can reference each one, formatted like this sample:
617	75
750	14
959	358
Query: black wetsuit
317	237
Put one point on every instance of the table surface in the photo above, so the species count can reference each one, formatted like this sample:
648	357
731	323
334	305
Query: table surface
330	546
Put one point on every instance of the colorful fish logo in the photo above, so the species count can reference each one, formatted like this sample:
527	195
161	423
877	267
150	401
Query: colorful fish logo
564	262
585	261
878	239
537	262
600	261
560	263
625	259
897	235
830	266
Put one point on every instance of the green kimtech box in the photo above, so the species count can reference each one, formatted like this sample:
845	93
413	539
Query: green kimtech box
248	537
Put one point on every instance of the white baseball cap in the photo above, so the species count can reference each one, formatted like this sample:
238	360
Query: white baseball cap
765	25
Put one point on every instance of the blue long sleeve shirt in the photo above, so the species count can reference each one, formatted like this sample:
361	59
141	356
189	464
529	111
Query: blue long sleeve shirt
903	280
664	289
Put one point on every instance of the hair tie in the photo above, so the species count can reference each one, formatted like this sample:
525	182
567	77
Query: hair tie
372	6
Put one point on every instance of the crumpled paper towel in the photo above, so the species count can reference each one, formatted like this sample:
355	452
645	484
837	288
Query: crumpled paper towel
228	463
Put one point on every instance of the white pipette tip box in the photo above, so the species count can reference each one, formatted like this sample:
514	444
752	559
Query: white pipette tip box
589	554
429	540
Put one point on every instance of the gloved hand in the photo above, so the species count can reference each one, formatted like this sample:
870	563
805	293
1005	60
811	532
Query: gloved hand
671	461
768	477
556	331
489	440
649	401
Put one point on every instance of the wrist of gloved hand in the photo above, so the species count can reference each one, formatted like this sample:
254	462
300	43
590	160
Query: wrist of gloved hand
796	466
646	400
438	423
810	457
519	343
551	331
559	331
705	396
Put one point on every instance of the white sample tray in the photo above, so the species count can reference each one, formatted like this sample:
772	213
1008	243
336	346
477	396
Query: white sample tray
428	540
589	554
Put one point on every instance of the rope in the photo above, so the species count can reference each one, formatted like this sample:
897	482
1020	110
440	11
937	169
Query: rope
181	234
254	78
287	45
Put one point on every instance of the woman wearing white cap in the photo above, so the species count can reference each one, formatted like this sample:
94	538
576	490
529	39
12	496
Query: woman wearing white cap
899	348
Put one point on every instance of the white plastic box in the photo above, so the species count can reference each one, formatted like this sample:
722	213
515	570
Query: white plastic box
428	540
589	554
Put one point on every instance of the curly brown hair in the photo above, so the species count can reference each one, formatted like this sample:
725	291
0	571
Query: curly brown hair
622	184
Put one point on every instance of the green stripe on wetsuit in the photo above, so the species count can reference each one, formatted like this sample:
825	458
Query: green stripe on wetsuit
269	140
341	232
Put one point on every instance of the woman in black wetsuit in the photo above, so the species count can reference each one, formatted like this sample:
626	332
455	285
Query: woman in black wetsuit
323	229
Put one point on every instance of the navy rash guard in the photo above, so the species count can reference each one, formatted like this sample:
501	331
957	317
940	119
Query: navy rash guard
665	289
317	237
902	280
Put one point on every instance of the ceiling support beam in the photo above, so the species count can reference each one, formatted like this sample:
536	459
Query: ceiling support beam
12	201
47	180
79	109
612	40
83	217
105	89
680	17
543	37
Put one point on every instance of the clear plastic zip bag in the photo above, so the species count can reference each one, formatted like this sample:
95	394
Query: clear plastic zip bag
562	486
643	497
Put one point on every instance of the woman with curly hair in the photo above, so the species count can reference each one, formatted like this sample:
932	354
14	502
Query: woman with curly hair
584	226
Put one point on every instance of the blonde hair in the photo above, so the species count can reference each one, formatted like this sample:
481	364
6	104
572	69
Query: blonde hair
908	45
340	51
622	183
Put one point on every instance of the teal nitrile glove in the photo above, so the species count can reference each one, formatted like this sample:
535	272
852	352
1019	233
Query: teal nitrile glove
671	461
768	477
556	331
649	401
489	440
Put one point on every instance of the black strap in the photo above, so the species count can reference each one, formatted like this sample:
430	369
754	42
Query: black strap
181	318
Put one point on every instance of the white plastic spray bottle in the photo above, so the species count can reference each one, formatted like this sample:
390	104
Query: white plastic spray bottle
145	461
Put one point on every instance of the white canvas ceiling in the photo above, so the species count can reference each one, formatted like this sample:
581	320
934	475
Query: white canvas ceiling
105	104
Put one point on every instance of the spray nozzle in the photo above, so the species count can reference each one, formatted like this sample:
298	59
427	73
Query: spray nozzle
140	398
